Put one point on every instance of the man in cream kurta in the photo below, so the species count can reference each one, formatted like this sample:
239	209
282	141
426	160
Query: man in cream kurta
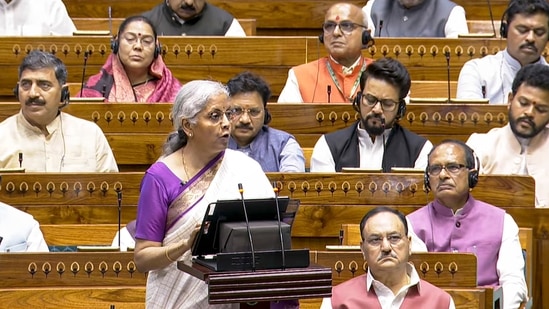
521	147
41	138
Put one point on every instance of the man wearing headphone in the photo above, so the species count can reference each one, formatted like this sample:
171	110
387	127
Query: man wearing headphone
456	222
525	25
521	146
275	150
193	17
376	140
334	78
41	138
406	18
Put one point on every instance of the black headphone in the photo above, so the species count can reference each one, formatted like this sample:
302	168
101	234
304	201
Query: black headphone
115	45
401	105
65	95
504	27
366	38
267	118
473	174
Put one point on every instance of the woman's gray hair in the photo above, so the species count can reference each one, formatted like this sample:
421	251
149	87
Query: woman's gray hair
191	99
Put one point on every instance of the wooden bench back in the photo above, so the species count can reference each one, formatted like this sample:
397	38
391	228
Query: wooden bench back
221	58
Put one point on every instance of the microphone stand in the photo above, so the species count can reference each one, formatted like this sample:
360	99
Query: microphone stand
83	73
119	216
241	190
447	54
275	188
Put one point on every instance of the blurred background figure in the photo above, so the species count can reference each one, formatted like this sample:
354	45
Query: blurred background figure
193	17
19	231
34	18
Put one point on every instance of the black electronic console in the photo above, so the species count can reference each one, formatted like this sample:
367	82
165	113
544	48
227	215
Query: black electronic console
248	234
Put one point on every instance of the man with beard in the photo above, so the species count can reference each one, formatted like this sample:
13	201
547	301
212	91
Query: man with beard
333	78
525	24
193	17
456	222
391	281
406	18
376	141
275	150
521	147
41	138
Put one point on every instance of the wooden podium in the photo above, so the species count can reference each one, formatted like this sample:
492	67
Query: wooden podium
257	289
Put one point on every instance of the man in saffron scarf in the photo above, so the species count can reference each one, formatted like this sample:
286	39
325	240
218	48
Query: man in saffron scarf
195	170
135	71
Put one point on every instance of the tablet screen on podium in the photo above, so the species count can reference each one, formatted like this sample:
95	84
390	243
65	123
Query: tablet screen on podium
224	211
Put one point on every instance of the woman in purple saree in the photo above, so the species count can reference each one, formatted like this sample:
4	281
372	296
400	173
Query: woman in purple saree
195	170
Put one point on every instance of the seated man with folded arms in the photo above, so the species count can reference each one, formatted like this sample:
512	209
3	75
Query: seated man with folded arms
275	150
41	138
193	17
456	222
333	78
525	25
521	146
376	140
406	18
19	231
391	282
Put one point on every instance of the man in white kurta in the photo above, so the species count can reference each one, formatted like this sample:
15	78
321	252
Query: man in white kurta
34	18
41	138
19	231
521	147
490	77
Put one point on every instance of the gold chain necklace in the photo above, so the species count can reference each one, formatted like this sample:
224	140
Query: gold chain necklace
185	166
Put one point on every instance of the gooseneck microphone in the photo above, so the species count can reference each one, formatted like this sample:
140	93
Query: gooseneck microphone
329	92
119	216
380	27
447	55
241	190
83	72
20	159
275	189
492	17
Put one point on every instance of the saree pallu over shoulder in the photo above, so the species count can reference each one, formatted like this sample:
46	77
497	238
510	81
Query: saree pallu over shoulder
193	192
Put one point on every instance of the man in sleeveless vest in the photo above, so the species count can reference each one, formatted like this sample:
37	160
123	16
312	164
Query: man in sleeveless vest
193	17
406	18
275	150
332	79
525	26
456	222
390	282
376	140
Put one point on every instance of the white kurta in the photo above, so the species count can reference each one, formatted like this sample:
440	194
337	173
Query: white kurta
35	18
20	232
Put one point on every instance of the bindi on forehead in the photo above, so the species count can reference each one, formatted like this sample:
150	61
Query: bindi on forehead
337	18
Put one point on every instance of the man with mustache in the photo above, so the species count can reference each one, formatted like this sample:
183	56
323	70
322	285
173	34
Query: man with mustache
406	18
525	24
333	78
391	282
193	17
275	150
457	222
376	140
41	138
521	146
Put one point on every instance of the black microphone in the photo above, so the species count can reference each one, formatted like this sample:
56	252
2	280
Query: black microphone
380	27
447	54
329	92
84	72
110	19
241	190
1	238
491	17
119	216
275	188
341	234
483	90
20	159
